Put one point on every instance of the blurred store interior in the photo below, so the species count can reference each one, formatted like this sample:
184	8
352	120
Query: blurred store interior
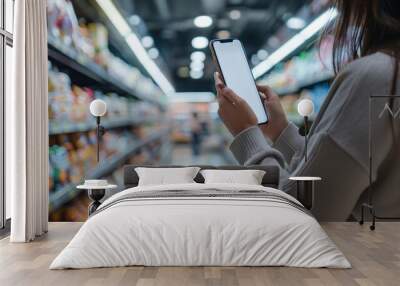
149	61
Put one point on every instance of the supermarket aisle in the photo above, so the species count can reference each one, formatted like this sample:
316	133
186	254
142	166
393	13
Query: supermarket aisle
182	155
88	60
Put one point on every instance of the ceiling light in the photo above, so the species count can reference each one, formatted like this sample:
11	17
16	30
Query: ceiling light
196	74
153	53
262	54
295	42
199	42
134	20
147	42
197	66
223	34
135	45
295	23
203	21
197	56
235	14
150	66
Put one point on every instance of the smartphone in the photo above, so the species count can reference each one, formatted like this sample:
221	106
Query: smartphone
231	62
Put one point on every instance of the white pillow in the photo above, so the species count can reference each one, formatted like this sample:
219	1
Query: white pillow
166	176
247	177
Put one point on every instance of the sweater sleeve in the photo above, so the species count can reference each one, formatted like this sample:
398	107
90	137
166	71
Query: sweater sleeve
251	148
291	144
338	145
343	177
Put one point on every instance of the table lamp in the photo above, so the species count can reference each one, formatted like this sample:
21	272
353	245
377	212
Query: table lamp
305	108
98	108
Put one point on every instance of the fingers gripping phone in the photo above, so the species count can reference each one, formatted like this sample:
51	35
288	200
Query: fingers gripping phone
231	61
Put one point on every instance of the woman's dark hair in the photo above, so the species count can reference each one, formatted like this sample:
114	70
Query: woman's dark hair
363	27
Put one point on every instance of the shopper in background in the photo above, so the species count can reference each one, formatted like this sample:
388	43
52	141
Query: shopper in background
366	55
196	129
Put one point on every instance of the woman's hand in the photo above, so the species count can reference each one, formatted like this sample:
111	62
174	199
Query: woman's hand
276	115
237	114
233	110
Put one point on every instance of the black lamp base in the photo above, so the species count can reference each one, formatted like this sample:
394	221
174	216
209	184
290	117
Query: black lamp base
95	195
305	193
100	130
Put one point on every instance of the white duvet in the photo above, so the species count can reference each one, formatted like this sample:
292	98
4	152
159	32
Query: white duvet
200	231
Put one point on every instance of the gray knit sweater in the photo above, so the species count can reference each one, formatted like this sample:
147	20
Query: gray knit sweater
338	145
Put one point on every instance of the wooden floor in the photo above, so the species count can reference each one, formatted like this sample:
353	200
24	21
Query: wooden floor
375	257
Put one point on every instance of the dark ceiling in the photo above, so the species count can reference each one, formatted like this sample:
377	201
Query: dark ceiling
170	23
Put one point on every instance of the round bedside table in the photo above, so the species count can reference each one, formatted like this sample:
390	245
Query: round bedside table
96	190
305	189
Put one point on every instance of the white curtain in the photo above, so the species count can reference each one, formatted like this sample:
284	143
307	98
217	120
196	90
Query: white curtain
27	124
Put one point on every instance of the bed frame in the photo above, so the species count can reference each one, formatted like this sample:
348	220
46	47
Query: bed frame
270	179
131	179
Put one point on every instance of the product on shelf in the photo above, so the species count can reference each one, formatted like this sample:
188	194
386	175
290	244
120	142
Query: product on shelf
73	159
73	140
98	35
60	96
86	152
63	24
305	69
74	156
60	166
69	104
62	163
317	94
303	76
90	42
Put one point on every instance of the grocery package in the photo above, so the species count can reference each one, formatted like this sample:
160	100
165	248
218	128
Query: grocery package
74	155
306	68
69	104
90	40
316	93
60	166
63	25
81	66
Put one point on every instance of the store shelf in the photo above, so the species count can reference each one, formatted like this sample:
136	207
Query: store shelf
68	192
305	84
84	66
70	127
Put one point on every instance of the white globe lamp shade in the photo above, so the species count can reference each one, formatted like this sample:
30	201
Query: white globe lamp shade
305	107
98	107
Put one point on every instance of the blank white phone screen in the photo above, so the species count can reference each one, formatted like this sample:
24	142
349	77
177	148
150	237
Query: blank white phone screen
237	75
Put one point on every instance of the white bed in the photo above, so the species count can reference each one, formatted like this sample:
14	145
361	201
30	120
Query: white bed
236	229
